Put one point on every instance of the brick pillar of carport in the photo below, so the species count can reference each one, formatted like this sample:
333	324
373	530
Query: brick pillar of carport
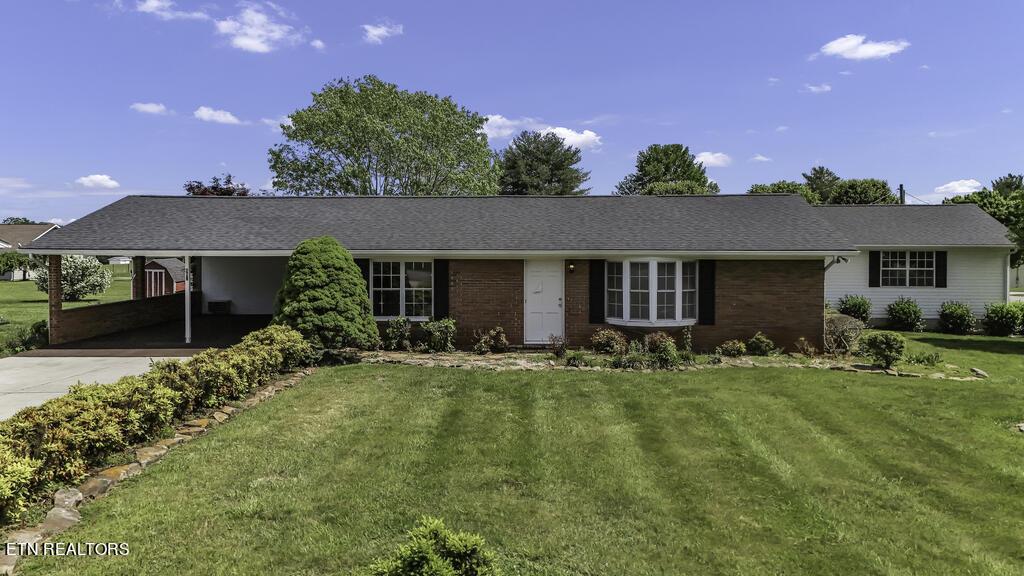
54	296
138	277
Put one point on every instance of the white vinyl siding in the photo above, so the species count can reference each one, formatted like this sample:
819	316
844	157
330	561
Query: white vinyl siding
975	276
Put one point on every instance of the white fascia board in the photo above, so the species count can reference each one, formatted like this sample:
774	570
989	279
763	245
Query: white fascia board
474	254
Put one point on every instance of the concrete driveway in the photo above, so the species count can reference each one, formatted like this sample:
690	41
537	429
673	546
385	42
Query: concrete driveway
30	381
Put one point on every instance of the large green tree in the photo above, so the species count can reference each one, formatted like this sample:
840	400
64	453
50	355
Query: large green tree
368	137
822	182
863	191
218	186
19	220
541	164
661	168
1004	202
786	187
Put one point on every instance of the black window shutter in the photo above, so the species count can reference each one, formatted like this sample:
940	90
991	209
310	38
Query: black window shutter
940	269
596	292
706	292
874	269
364	267
440	288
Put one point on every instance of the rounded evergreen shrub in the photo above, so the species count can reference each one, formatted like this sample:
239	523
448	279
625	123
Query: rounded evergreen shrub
609	341
731	348
904	314
1003	319
956	318
856	306
760	345
325	298
885	348
435	550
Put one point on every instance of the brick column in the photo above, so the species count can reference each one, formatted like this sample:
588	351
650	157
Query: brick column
138	277
54	296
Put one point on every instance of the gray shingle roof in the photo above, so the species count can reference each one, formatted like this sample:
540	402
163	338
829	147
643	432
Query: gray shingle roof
666	223
173	266
916	225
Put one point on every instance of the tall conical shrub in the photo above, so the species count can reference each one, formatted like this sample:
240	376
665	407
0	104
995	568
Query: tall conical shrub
324	297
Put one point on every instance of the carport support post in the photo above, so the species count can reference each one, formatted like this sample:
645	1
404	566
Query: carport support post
138	277
54	296
188	299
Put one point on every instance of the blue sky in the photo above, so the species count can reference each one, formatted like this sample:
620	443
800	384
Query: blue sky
101	99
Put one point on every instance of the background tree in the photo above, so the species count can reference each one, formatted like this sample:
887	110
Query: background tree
11	261
367	137
1003	202
541	164
325	298
863	191
822	182
786	187
665	163
19	220
81	276
218	186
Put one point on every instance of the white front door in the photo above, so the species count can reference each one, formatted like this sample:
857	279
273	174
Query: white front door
543	300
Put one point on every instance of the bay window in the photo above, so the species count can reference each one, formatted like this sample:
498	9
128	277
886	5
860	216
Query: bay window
654	292
402	289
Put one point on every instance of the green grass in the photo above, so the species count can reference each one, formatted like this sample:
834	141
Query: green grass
727	471
22	304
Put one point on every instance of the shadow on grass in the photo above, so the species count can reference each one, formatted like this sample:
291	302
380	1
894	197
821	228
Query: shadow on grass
995	346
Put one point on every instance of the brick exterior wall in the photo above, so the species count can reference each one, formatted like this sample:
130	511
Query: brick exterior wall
484	294
578	328
89	321
785	299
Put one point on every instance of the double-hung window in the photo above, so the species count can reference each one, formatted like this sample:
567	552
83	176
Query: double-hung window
655	292
402	289
913	268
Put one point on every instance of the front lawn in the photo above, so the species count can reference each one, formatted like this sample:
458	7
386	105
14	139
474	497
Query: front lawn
734	471
22	304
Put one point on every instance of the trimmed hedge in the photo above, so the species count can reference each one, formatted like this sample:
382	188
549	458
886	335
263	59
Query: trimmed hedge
905	315
856	306
59	441
1004	319
956	318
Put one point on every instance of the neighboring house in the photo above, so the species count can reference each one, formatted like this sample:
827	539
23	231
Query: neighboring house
932	254
723	266
164	276
13	236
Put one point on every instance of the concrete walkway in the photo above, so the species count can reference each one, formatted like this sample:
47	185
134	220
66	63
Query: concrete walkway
30	381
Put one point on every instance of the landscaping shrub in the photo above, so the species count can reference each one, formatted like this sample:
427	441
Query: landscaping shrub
684	339
760	345
609	341
956	318
219	379
494	340
855	306
293	349
81	276
176	375
439	335
653	339
804	347
842	333
578	359
885	348
26	338
662	352
731	348
1003	319
434	550
324	297
634	357
925	358
557	345
398	334
904	314
16	476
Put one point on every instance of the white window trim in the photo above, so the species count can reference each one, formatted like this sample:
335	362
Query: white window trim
906	269
652	294
401	290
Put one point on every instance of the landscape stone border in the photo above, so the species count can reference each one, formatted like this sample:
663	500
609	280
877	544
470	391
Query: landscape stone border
64	513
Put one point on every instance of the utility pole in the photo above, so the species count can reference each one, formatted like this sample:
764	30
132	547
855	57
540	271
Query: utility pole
903	195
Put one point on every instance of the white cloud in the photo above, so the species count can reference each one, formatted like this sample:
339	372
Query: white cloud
166	10
582	140
1007	110
149	108
855	47
275	123
11	183
760	158
959	187
497	126
253	29
817	88
377	33
60	221
207	114
714	159
924	67
781	129
773	80
845	73
318	44
97	181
